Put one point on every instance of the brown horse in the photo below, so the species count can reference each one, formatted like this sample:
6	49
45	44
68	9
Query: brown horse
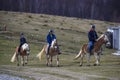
24	52
53	51
96	50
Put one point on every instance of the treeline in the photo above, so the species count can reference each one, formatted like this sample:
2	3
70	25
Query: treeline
108	10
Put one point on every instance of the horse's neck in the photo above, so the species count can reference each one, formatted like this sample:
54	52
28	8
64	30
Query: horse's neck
99	43
53	44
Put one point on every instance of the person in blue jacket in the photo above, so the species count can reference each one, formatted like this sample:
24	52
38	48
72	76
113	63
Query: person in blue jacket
92	36
50	37
22	41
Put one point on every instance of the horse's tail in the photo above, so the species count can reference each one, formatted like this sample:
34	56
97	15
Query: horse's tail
13	57
41	53
79	54
82	52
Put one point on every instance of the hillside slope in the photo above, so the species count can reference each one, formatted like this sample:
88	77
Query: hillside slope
71	32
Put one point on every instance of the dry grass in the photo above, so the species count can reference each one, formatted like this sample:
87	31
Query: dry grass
71	34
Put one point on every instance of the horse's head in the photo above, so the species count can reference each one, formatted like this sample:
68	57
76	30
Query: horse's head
103	38
26	47
54	43
108	43
106	38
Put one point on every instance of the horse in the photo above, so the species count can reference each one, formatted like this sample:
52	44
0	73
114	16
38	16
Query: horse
24	52
96	50
53	51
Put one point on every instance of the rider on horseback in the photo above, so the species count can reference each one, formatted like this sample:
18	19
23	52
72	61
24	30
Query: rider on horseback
92	36
22	41
50	37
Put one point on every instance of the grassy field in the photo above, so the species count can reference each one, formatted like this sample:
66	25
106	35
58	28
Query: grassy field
71	34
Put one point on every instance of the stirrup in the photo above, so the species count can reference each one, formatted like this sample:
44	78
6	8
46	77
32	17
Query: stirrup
59	53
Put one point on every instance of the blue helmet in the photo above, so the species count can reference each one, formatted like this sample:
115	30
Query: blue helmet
21	34
93	26
51	30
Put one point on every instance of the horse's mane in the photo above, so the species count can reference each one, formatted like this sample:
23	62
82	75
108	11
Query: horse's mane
100	37
25	46
53	42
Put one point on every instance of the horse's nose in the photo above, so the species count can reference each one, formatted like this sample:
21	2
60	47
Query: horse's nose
108	43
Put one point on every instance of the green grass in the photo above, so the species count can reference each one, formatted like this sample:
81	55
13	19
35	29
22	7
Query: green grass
71	34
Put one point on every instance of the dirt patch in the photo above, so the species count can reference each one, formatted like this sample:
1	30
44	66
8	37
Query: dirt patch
50	73
9	77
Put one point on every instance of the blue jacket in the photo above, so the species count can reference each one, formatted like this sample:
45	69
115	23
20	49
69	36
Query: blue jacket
22	40
92	35
50	38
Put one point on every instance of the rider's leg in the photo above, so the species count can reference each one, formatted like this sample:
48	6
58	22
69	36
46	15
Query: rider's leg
19	48
47	51
90	46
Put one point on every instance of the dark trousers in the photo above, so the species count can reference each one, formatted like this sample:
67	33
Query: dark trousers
48	48
19	47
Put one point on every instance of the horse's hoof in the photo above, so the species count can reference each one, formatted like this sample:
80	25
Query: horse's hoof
46	64
95	65
25	63
22	64
80	65
17	64
58	65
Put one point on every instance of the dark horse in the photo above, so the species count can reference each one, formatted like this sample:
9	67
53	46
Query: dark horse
24	52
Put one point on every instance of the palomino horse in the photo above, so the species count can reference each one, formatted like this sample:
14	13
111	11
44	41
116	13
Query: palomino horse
96	50
54	50
24	52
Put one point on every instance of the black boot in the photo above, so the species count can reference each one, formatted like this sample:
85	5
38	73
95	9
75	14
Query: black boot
47	52
59	52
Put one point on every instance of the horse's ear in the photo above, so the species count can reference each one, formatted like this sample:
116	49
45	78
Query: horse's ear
105	33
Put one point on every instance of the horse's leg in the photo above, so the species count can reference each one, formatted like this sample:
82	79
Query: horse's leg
26	60
97	57
51	61
81	59
17	59
47	60
22	60
88	59
58	60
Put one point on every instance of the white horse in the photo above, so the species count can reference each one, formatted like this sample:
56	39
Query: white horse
24	52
